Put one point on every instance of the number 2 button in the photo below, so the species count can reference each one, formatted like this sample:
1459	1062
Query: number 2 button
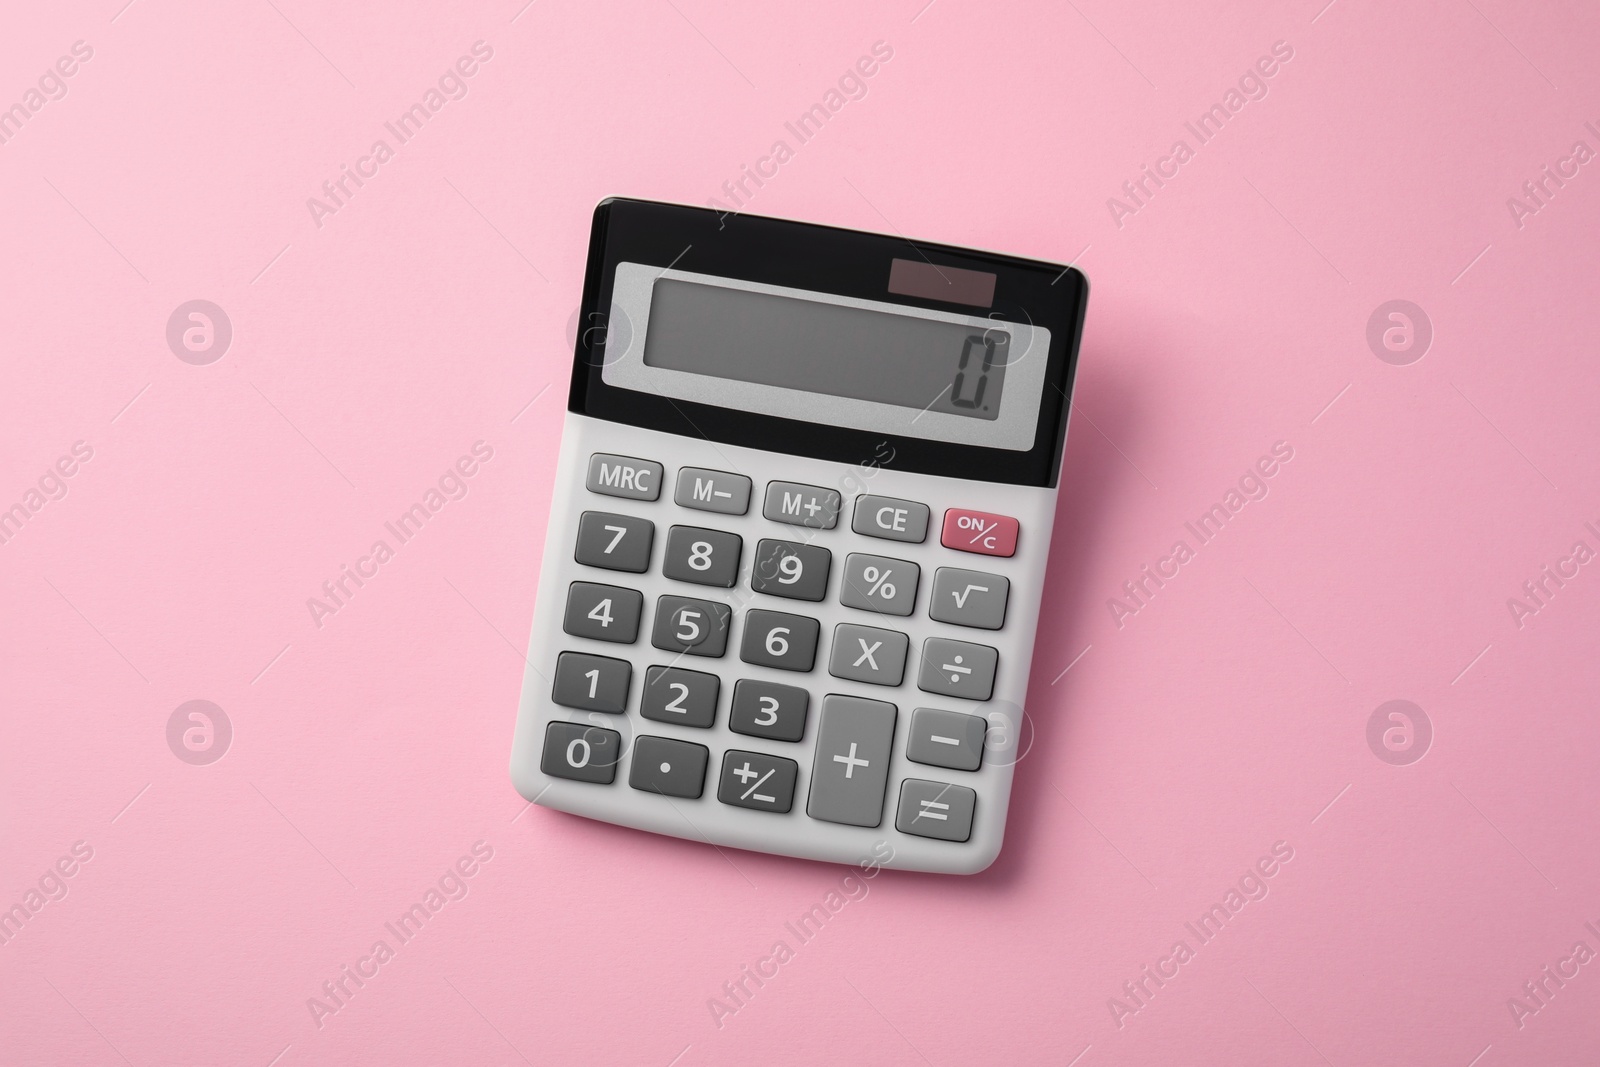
706	557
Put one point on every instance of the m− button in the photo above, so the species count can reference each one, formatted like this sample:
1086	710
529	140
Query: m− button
719	491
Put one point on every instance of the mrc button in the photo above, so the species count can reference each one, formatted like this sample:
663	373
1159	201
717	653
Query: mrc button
633	479
979	531
897	520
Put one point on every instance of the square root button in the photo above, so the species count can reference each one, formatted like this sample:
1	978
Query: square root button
851	765
936	810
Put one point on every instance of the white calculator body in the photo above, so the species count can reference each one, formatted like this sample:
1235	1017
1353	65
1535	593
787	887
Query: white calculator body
798	538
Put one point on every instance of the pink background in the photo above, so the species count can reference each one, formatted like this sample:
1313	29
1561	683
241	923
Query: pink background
1230	713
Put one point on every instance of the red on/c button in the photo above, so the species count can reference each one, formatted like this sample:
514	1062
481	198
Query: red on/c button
979	531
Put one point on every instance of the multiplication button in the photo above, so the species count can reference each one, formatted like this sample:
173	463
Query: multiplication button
802	505
868	654
757	780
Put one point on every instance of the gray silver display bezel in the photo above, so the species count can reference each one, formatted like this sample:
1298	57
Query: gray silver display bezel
1015	428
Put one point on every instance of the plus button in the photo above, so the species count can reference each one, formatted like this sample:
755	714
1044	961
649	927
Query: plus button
850	762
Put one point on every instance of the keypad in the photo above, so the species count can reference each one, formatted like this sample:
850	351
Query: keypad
778	639
946	739
935	809
802	505
868	654
669	767
592	683
969	598
770	710
603	612
788	569
757	780
695	627
852	761
581	753
705	557
855	738
877	583
673	694
616	542
712	491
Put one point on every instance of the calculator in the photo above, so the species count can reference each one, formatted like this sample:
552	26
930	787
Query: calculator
798	537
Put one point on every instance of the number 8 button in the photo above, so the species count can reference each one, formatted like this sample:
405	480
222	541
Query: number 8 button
705	557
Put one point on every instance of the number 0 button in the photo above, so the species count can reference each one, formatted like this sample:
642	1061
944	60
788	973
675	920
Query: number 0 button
603	612
582	753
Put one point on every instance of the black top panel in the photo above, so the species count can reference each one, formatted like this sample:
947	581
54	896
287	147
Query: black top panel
827	260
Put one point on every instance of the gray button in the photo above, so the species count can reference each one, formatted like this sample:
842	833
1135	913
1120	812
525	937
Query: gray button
957	669
778	639
671	768
582	753
672	694
969	598
868	654
851	765
635	479
713	491
884	516
603	612
785	568
705	557
697	627
877	583
934	809
802	505
617	542
946	739
592	683
767	709
757	780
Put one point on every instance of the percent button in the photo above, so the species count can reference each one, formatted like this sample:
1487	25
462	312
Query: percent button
979	531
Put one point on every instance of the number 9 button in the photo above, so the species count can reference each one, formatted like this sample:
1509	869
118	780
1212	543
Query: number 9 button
784	568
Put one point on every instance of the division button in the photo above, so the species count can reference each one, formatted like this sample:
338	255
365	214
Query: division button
851	764
957	669
633	479
802	505
671	768
969	598
885	516
935	809
717	491
946	739
757	780
581	753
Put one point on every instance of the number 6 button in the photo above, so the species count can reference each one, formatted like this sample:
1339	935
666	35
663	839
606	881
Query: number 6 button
776	639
